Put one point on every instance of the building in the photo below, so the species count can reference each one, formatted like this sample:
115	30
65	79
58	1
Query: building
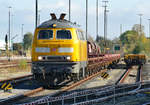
2	45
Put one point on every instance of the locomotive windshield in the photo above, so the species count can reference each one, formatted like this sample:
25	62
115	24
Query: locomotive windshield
63	34
45	34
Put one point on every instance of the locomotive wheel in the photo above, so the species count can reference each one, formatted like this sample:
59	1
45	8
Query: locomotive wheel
75	77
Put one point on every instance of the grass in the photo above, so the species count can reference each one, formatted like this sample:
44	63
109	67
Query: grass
22	68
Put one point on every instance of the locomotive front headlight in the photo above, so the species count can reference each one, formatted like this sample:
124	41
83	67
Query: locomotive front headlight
68	57
39	58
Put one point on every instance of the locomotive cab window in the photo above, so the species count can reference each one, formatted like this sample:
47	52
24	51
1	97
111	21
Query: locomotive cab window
63	34
45	34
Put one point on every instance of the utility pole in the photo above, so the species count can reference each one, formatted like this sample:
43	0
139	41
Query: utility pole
140	15
105	22
9	33
86	19
149	27
12	24
36	13
39	17
69	10
97	18
120	29
22	38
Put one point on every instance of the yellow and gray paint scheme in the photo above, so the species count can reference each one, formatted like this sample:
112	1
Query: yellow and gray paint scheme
58	54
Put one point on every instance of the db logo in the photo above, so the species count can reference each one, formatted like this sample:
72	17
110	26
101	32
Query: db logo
54	49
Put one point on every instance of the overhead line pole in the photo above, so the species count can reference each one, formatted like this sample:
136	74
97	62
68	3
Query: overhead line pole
36	13
86	19
140	15
105	21
120	29
22	39
97	18
149	28
106	24
69	10
9	33
39	17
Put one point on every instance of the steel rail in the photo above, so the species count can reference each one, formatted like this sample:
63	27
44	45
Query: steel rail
110	97
12	65
20	96
69	87
16	78
50	99
123	76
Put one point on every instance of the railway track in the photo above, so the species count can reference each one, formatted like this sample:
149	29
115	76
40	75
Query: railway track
127	73
54	93
13	64
81	96
17	79
93	96
15	84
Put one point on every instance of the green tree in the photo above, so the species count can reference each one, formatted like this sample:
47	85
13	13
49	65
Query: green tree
138	28
27	40
135	43
17	46
100	41
129	37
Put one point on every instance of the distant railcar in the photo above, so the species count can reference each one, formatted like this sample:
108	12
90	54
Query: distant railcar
135	59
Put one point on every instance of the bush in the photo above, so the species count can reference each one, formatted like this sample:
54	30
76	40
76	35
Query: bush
23	64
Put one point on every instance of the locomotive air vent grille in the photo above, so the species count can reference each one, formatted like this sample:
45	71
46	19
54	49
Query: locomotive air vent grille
55	58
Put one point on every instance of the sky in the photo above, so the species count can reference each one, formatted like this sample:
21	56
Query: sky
123	12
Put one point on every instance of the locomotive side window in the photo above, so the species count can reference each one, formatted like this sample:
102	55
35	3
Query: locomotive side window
45	34
80	35
63	34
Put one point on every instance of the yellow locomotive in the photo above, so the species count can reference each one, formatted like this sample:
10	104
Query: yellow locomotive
59	49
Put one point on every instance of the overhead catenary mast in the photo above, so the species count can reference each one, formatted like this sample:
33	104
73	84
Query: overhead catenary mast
36	13
86	19
140	15
149	27
69	10
9	33
105	22
97	18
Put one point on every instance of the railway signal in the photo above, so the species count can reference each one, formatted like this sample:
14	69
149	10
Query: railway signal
117	47
6	41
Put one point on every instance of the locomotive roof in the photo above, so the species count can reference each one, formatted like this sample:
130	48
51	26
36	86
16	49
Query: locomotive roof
59	24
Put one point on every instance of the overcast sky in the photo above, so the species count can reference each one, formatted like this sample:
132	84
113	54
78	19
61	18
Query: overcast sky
120	12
